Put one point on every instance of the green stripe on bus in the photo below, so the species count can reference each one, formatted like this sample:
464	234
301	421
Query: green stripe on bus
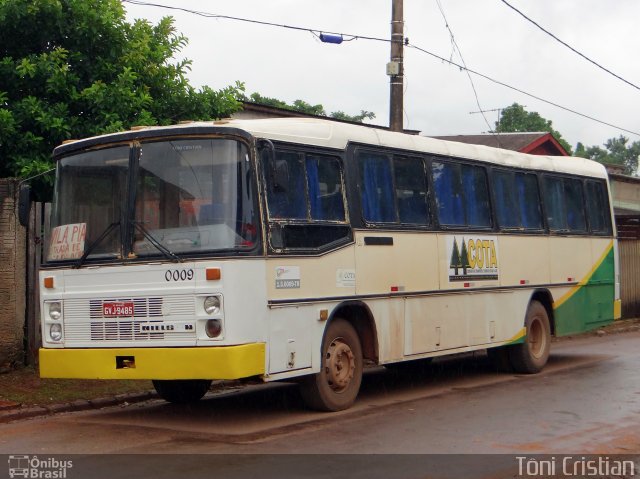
591	305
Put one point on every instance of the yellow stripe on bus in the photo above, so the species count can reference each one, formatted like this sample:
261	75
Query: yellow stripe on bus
518	336
585	279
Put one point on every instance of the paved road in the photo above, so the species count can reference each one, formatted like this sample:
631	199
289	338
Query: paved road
587	401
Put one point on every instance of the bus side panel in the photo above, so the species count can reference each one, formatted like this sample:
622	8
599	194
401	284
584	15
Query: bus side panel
389	319
396	262
523	260
590	303
295	331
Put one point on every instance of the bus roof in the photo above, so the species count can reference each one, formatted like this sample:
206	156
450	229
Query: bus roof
337	135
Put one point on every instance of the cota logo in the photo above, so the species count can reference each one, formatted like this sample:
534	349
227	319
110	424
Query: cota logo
474	254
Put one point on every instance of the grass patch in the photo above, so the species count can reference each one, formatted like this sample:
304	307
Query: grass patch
26	387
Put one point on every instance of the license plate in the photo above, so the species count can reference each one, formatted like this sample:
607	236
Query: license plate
117	310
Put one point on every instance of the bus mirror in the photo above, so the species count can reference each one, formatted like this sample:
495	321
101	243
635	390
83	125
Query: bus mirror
24	204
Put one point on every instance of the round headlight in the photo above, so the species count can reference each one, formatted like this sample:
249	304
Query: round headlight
214	328
212	304
56	332
55	310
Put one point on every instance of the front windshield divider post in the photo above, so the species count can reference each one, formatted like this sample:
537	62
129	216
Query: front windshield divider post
130	201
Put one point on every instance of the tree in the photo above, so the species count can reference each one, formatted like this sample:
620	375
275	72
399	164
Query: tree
617	151
516	119
464	258
304	107
77	68
340	115
456	260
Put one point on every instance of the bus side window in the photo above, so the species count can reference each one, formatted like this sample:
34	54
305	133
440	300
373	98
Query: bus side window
507	210
575	206
517	200
462	194
446	182
529	200
305	201
286	200
565	204
325	188
411	190
555	204
376	188
598	208
476	192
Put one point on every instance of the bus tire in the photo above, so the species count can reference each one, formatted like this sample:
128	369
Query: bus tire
337	384
181	391
530	356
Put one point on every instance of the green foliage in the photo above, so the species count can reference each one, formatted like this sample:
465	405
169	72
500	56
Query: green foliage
304	107
617	151
77	68
516	119
340	115
267	101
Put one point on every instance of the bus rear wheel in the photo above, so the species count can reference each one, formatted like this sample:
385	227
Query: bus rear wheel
337	384
181	391
531	356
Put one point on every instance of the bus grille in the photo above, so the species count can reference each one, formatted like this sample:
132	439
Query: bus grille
121	331
84	320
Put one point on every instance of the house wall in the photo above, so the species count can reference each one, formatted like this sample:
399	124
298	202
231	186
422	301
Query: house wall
626	194
12	277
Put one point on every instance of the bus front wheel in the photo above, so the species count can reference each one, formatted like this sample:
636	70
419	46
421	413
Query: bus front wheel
337	384
531	355
181	391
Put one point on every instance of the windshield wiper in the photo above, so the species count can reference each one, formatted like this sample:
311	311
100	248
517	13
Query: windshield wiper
93	245
159	246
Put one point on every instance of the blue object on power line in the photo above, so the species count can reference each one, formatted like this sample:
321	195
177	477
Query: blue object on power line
326	38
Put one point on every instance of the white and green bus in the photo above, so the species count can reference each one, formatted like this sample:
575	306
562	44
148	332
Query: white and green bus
302	248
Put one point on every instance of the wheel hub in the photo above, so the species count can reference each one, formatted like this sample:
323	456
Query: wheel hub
340	365
536	337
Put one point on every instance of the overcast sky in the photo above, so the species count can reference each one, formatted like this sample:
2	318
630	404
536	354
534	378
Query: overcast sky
494	40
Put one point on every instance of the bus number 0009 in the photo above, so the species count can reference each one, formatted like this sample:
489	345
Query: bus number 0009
179	275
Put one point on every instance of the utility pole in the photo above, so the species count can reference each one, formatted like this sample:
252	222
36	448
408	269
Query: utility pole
395	68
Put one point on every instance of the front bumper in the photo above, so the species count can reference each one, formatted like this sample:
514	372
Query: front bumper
220	362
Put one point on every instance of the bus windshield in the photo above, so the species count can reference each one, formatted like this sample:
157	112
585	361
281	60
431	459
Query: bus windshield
183	197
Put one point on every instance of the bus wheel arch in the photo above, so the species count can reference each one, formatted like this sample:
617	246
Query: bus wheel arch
359	315
544	297
532	354
349	339
335	387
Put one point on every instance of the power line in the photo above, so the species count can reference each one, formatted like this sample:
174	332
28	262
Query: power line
473	87
548	102
315	31
386	40
569	46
